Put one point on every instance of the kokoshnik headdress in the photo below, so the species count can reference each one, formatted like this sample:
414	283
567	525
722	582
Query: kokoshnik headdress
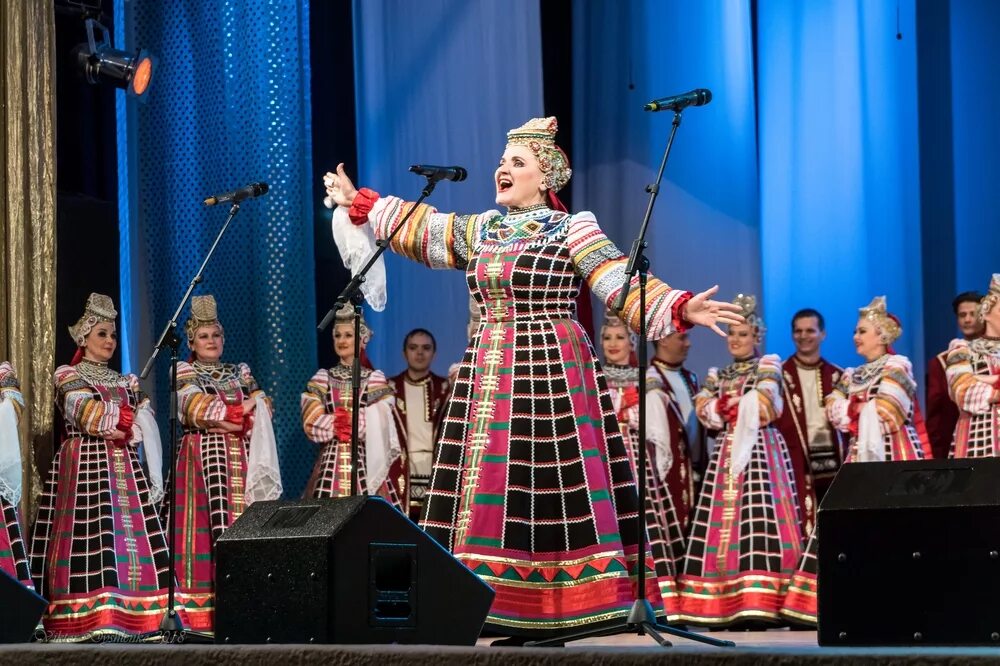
886	324
991	298
345	315
99	308
204	312
539	135
748	308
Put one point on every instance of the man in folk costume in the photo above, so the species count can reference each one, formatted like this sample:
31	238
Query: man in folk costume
942	412
816	448
420	398
686	436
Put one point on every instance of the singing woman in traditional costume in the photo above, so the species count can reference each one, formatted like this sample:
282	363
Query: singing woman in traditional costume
532	487
973	372
326	419
873	403
99	553
13	556
666	534
745	536
228	457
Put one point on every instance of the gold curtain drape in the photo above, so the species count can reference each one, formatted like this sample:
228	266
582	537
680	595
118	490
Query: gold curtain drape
28	216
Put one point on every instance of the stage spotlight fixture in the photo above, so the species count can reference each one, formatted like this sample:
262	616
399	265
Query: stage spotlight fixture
99	63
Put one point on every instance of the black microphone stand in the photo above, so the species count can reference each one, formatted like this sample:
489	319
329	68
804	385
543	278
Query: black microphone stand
352	293
641	619
171	626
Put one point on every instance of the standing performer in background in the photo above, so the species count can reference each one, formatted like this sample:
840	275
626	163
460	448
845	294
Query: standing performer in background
816	447
99	554
665	531
942	412
420	396
873	403
228	457
326	419
745	535
531	488
13	557
973	374
675	387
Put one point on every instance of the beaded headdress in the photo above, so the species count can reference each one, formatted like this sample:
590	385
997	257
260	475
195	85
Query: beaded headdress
886	324
611	320
991	298
748	308
345	315
204	312
99	308
539	135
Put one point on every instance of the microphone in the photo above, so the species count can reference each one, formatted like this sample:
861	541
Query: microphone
249	192
436	173
699	97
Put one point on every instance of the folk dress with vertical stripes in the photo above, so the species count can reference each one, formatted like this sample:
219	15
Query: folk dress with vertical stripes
326	413
663	527
13	555
99	553
745	535
532	487
888	382
977	432
212	478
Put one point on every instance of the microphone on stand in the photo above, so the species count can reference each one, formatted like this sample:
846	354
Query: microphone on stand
249	192
436	173
698	97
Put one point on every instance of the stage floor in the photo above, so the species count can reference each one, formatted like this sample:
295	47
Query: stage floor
775	647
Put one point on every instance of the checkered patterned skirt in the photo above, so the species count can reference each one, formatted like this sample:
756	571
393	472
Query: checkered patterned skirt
211	485
745	539
532	487
13	557
99	554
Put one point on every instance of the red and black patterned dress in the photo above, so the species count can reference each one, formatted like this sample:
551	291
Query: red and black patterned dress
887	385
666	535
13	556
978	430
326	419
532	487
212	479
99	554
745	536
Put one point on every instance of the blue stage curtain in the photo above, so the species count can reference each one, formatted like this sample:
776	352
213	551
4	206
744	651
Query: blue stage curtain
839	167
704	229
975	97
438	82
229	105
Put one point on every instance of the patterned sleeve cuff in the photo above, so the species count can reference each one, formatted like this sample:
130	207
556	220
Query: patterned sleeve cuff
677	313
362	205
234	413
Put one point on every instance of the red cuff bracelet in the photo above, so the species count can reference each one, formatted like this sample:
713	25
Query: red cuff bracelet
362	205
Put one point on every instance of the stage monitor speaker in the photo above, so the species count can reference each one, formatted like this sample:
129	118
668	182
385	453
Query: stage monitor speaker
348	570
20	610
909	554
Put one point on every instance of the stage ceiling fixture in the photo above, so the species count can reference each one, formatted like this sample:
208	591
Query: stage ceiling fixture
100	63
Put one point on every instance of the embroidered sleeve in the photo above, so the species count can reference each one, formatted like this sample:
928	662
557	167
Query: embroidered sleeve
378	389
10	388
437	240
254	390
838	401
706	399
970	394
198	409
769	388
894	397
598	261
316	421
81	406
